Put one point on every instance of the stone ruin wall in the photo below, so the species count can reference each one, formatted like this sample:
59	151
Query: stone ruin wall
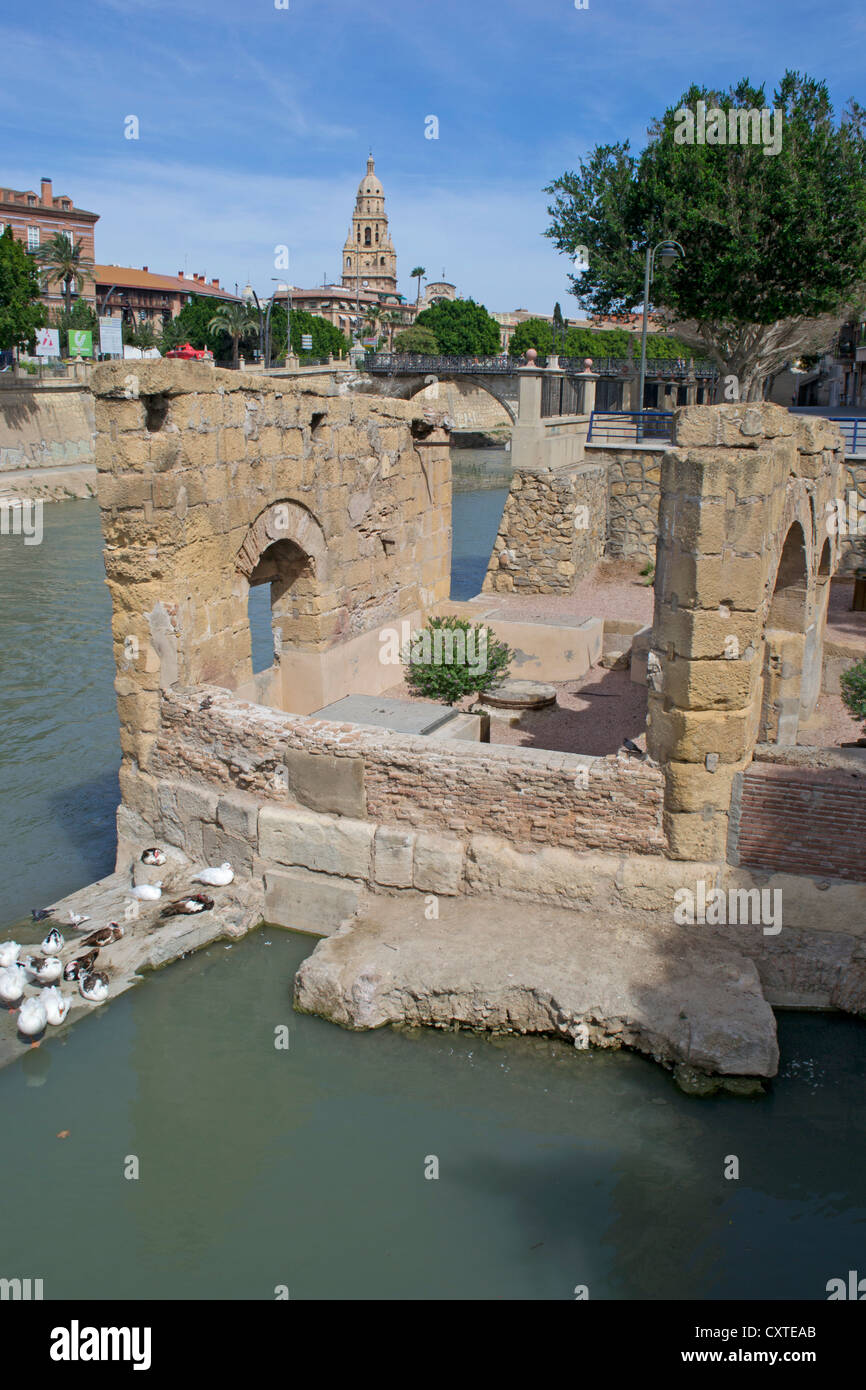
552	530
622	488
200	471
742	581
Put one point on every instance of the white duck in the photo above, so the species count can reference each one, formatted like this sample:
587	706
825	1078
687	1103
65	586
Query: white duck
47	971
147	892
9	951
77	919
56	1004
32	1017
52	943
217	878
12	982
94	987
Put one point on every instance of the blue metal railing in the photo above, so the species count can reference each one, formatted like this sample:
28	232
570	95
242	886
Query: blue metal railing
631	426
850	425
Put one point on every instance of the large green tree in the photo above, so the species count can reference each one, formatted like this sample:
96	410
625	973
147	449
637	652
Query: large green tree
462	327
775	243
327	340
20	311
593	342
417	338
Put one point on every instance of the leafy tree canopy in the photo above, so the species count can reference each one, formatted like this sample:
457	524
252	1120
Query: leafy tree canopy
417	338
20	311
775	243
461	327
327	340
593	342
191	326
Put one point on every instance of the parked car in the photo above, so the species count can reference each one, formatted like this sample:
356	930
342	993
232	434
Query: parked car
189	354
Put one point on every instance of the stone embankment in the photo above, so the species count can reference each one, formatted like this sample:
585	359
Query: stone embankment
672	996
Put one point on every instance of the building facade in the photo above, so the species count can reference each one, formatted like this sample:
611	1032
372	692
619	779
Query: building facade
36	217
139	296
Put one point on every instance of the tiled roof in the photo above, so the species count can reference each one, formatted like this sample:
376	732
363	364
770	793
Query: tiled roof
126	277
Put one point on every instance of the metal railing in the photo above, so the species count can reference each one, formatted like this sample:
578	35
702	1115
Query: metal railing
631	426
413	362
664	368
561	395
853	432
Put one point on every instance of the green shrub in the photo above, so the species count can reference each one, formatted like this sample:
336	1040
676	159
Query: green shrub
452	657
853	683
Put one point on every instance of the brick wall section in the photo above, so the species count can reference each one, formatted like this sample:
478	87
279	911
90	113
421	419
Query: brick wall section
529	796
803	821
552	531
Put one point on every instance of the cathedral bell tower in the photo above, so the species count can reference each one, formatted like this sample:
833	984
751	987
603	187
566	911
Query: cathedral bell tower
368	253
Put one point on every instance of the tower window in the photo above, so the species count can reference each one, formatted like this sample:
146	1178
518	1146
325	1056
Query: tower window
377	238
382	260
348	260
367	240
359	234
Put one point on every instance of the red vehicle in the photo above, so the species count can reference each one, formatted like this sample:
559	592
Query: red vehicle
189	353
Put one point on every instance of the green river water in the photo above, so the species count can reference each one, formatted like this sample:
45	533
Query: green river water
262	1167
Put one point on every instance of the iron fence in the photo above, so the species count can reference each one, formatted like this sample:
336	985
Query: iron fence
561	395
630	426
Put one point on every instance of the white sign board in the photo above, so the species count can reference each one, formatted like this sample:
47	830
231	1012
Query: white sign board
48	342
111	336
306	342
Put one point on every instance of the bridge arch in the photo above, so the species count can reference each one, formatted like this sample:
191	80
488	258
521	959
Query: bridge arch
405	387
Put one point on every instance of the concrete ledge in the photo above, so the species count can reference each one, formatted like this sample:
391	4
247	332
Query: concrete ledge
308	902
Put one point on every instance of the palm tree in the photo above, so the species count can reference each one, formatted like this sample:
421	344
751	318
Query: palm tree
416	275
370	321
63	261
235	319
391	319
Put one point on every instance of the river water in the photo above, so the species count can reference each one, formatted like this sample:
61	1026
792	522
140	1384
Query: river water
304	1167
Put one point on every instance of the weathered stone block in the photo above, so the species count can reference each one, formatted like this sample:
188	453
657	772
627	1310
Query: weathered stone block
308	902
393	856
327	783
298	838
438	864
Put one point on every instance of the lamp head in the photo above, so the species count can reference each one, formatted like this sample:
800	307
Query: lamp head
668	252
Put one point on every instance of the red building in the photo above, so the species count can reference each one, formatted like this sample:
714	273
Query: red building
36	217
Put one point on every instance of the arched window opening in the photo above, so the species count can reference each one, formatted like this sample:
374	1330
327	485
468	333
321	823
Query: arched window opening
367	237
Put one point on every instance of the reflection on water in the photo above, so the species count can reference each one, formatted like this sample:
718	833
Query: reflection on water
305	1167
59	753
481	480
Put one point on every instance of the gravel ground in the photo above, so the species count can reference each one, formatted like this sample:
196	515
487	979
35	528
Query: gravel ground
595	714
842	624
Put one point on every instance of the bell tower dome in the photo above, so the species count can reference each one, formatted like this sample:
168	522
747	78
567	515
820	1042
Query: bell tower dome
368	253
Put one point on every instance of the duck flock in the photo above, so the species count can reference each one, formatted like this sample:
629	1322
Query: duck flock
47	971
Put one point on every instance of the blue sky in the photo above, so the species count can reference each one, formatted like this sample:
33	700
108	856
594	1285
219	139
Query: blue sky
255	122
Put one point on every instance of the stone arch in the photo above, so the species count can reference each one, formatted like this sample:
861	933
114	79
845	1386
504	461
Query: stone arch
284	521
789	643
788	606
404	388
825	563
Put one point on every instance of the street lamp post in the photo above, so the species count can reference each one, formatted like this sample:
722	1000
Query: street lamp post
668	252
250	296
